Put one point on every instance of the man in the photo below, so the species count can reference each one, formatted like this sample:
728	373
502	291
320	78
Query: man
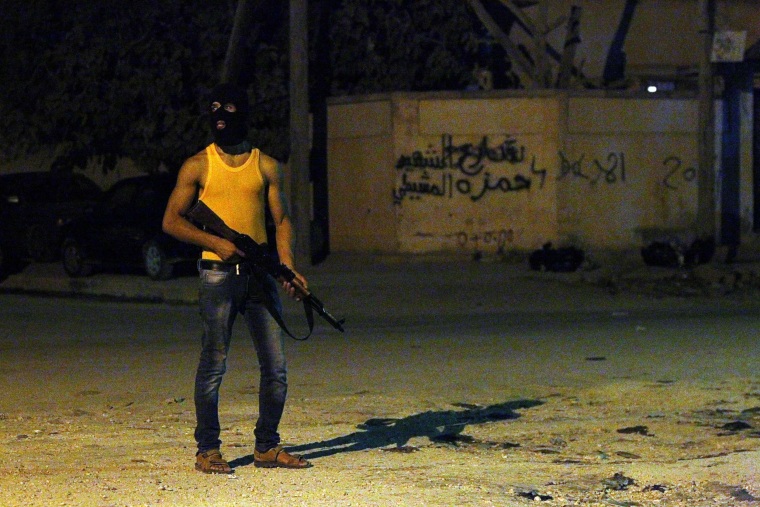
237	182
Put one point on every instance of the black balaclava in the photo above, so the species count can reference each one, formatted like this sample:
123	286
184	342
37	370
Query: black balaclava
235	124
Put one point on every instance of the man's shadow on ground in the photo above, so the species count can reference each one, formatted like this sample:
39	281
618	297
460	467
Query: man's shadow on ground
442	425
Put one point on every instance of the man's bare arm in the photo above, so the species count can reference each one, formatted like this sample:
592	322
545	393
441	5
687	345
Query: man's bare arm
278	206
174	222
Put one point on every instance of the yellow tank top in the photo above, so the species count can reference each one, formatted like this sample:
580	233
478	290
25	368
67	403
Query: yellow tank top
236	194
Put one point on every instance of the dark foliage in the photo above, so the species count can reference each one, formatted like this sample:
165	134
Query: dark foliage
401	45
99	81
108	80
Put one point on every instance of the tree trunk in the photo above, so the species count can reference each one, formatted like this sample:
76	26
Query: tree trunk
523	65
543	69
572	39
614	67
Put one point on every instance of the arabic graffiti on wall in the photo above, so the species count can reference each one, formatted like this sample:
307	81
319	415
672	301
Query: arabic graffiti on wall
480	171
613	170
451	170
469	169
610	171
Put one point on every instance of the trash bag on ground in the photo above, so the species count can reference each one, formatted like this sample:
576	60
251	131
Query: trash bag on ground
674	255
561	260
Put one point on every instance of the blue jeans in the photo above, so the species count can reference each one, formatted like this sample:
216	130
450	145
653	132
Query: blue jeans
222	296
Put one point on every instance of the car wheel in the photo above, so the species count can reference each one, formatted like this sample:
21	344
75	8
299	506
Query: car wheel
10	262
74	259
156	262
38	244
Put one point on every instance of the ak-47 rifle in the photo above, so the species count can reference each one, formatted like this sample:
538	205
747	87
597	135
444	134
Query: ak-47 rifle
258	255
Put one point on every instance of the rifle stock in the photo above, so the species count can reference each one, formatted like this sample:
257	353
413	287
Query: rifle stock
202	214
258	255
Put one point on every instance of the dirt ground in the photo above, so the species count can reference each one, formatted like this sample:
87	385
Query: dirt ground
122	434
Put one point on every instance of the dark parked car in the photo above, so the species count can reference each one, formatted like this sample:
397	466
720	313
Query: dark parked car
2	261
34	208
123	230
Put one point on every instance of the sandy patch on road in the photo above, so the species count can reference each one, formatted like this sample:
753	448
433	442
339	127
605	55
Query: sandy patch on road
612	445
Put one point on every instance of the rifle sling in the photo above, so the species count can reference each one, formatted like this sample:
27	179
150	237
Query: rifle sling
273	310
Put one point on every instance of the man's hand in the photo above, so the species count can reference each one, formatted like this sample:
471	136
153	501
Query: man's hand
226	250
291	288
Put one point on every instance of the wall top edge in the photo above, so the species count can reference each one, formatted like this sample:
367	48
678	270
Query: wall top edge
500	94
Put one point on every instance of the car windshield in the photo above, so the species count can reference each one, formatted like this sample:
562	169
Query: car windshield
120	197
80	188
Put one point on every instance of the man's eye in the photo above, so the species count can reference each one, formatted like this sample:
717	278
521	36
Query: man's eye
215	106
230	108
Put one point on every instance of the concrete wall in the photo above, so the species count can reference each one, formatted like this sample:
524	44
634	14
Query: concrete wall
469	173
628	169
489	172
503	170
360	146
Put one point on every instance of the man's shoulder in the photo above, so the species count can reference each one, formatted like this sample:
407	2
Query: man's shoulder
267	162
197	160
194	168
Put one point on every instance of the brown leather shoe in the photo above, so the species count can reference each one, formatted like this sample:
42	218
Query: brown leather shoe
278	458
211	462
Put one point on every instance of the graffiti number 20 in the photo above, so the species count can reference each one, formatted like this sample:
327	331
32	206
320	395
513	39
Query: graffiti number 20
675	169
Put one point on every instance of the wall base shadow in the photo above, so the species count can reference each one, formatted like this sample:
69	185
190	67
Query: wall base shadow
381	433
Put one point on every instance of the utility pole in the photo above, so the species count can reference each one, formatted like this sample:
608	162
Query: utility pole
233	60
300	141
706	213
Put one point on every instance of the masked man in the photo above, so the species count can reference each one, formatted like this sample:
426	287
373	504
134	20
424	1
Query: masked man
238	182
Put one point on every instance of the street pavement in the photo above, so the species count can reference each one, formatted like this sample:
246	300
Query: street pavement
425	338
406	286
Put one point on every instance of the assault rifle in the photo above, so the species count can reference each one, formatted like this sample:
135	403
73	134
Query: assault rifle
259	257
